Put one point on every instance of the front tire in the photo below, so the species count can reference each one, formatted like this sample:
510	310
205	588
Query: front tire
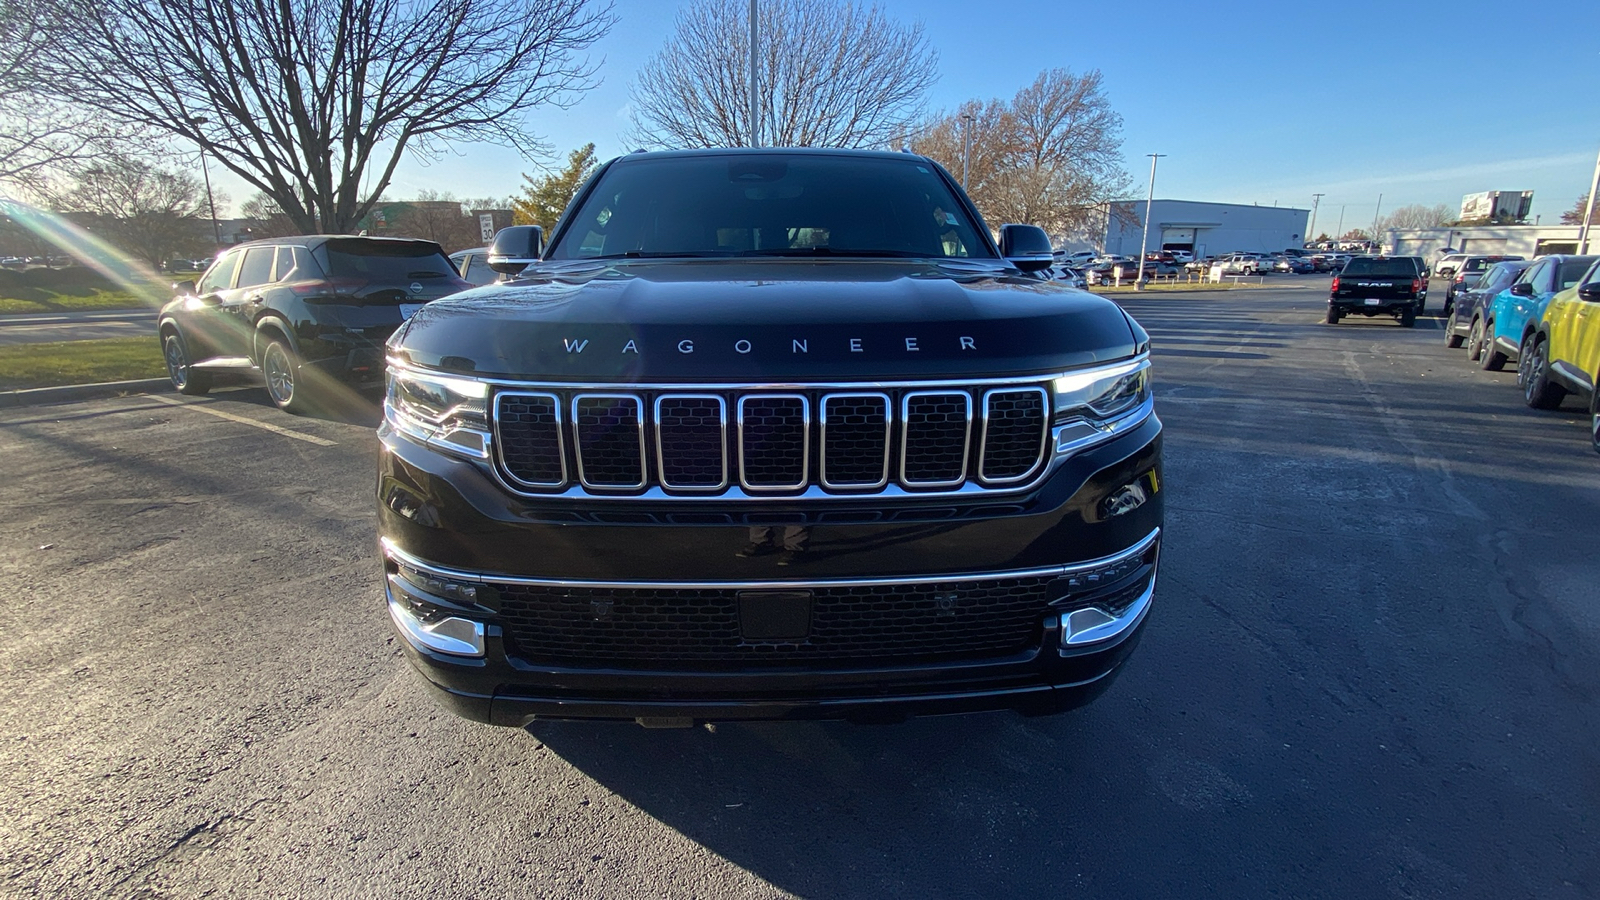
1540	392
1451	339
1489	358
281	370
185	380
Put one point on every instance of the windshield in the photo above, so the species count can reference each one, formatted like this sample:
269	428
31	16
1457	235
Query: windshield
386	260
1572	270
1381	268
770	204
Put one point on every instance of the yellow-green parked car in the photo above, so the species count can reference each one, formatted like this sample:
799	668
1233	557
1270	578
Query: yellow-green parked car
1562	356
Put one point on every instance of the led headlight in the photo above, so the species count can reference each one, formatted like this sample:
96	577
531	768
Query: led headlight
447	414
1093	405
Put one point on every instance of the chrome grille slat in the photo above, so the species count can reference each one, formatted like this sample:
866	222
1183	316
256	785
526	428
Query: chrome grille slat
692	442
751	441
1016	427
774	442
608	440
935	433
855	440
530	446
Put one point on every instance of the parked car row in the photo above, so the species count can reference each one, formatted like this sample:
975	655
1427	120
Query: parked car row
1465	271
1543	315
17	263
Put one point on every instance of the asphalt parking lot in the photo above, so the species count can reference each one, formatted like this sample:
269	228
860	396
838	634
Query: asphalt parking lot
1373	671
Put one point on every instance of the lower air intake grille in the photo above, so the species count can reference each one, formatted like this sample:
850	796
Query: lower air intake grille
675	628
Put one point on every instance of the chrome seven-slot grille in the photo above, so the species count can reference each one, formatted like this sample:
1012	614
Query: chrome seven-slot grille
771	442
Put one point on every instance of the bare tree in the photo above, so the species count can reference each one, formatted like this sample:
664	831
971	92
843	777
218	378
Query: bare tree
833	73
314	102
151	213
38	137
1418	216
438	217
1051	157
267	219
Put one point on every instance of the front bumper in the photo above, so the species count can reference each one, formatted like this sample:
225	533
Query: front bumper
449	531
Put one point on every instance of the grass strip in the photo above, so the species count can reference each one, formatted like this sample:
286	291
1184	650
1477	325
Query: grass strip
53	301
79	362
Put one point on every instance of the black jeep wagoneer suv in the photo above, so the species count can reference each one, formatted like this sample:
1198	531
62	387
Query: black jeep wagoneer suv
769	434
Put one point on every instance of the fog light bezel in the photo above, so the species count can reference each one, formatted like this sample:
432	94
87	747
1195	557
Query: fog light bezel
439	631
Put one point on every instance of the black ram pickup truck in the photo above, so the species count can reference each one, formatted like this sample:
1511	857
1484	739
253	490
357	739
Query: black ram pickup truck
769	434
1378	285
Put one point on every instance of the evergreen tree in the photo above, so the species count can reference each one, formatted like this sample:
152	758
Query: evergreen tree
546	197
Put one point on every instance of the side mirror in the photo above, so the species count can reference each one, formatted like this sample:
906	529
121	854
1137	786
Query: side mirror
182	288
516	248
1590	291
1522	289
1026	246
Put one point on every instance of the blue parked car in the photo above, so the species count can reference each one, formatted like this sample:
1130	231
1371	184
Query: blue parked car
1471	308
1515	311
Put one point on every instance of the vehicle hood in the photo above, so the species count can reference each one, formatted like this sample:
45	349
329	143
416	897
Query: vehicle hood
768	321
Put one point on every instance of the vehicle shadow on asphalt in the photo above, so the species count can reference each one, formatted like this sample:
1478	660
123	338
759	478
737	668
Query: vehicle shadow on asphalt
975	805
344	406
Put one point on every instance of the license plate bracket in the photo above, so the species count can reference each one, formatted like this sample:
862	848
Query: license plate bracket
1372	301
774	615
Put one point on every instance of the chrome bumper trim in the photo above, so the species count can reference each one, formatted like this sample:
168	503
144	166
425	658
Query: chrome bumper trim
395	554
1089	630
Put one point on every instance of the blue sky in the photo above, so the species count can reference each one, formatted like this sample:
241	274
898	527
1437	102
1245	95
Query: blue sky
1254	102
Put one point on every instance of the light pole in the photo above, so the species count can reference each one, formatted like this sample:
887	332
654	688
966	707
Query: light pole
1375	213
216	227
1588	211
755	105
966	152
1338	233
1311	233
1150	198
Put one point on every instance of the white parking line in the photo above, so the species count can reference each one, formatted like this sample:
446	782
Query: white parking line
244	420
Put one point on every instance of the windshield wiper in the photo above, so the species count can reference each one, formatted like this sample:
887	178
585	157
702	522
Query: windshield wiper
832	251
656	254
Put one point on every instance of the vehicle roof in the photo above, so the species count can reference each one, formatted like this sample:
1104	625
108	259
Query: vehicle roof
768	151
316	240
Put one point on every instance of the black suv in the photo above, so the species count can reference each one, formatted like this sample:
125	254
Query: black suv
769	434
307	312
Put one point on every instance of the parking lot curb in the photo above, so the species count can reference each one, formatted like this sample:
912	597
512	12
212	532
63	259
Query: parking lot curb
69	393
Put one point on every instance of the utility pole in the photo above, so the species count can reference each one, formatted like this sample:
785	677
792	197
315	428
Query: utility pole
216	227
1138	281
755	104
1375	217
1588	211
1311	233
966	153
1338	233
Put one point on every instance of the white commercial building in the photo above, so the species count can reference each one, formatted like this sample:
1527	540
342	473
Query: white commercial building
1204	229
1527	241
